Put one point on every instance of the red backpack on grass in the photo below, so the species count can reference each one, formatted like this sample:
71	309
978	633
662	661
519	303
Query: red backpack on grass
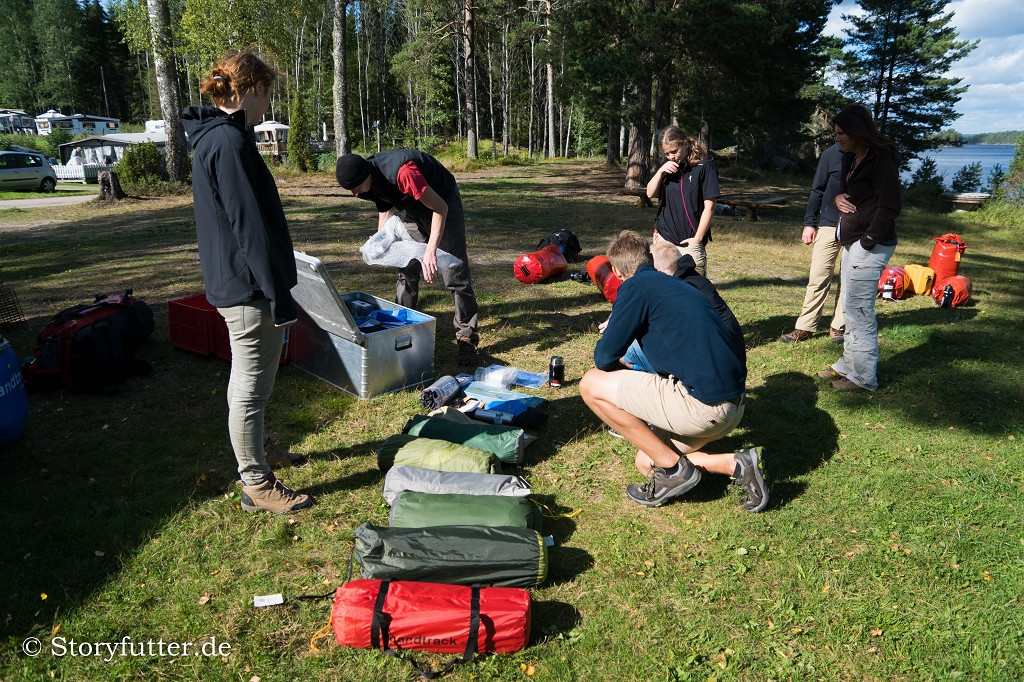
91	345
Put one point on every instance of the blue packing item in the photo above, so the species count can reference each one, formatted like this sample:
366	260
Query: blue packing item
397	318
512	407
489	396
530	379
13	399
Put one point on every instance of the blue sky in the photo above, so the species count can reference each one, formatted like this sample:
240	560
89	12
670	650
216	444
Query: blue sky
994	70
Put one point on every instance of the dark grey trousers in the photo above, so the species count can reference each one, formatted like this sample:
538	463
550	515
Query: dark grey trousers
456	280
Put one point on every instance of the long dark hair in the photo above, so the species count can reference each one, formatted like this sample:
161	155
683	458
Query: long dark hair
856	121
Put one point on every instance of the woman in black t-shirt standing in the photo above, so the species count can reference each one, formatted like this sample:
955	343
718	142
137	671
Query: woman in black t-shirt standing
686	187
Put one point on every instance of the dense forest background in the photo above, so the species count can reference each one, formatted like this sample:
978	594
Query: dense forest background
536	77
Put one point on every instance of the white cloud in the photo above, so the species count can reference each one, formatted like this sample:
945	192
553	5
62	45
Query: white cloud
994	71
987	18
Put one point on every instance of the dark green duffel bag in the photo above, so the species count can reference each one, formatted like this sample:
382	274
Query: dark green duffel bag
460	555
431	453
508	443
421	510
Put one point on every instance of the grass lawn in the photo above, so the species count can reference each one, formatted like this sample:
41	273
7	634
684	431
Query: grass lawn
893	548
64	190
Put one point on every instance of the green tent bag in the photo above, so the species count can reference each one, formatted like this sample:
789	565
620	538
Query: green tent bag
421	510
460	555
508	443
439	455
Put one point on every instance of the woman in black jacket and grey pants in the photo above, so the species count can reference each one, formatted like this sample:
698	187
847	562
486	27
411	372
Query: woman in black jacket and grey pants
869	201
246	255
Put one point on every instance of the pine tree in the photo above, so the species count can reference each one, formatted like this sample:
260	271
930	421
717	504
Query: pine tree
60	39
18	55
896	55
300	156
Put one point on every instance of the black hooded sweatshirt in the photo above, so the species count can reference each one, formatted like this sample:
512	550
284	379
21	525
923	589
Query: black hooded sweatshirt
244	245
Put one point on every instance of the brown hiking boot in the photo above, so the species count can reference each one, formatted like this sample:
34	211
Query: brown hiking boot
279	458
836	335
795	336
273	496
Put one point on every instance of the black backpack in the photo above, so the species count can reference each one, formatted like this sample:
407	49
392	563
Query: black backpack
567	241
91	345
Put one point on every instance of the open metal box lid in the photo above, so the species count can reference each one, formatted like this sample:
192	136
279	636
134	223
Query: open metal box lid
316	295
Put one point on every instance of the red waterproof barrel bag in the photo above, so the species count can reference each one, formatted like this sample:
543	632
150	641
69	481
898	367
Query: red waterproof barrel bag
953	292
600	270
945	258
894	284
446	619
540	265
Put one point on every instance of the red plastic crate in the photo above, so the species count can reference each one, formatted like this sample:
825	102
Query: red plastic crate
196	326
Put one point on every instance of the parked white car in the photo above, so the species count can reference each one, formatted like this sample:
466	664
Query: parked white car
26	170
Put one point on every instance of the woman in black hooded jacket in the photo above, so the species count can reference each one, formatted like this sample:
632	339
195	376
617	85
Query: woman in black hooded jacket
246	255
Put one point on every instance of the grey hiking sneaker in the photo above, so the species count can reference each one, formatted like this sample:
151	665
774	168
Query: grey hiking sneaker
749	475
273	496
660	487
278	458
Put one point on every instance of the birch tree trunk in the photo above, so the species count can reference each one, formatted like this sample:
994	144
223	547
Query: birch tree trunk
167	87
490	96
552	142
363	85
470	77
533	96
341	142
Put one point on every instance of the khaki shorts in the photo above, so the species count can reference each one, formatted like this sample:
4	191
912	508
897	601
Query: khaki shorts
681	421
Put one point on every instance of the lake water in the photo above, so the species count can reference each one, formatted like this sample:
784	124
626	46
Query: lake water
948	160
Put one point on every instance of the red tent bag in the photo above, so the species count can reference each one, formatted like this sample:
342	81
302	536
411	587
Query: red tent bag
945	258
600	270
540	265
445	619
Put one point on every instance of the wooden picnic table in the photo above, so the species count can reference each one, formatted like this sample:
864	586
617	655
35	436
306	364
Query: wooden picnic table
753	204
966	199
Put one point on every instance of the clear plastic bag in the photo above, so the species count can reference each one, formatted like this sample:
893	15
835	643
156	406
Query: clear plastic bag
496	375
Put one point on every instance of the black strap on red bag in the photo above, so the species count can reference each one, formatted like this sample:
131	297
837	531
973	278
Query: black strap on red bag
380	634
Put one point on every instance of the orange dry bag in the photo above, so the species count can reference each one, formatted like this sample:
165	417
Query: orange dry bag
945	258
540	265
600	270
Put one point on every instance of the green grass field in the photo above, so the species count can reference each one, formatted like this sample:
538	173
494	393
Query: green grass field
893	548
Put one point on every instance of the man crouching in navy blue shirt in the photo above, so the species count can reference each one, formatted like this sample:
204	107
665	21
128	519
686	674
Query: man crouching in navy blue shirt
696	396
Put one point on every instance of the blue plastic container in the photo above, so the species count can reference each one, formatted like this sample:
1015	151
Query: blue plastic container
13	399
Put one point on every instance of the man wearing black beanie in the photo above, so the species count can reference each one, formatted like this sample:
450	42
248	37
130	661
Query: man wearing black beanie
416	185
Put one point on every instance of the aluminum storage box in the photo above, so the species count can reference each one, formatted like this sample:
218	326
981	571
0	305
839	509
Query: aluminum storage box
327	343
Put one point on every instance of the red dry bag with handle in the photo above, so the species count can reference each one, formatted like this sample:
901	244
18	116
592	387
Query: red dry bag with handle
945	258
953	292
446	619
600	270
540	265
